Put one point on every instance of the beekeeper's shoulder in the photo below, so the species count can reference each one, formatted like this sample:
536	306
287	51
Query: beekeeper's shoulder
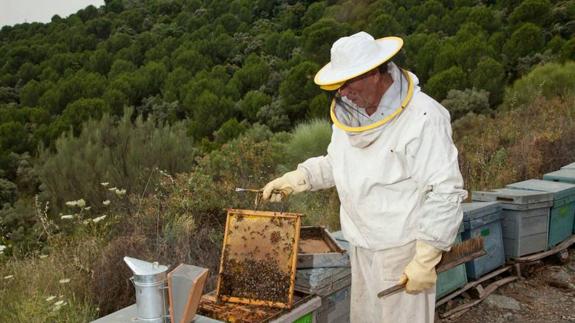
427	111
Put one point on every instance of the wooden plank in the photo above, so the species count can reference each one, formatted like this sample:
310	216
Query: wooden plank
472	284
563	245
487	291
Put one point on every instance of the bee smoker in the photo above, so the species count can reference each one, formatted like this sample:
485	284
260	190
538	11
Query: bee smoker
150	282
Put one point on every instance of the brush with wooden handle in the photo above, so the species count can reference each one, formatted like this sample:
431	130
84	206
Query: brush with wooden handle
459	254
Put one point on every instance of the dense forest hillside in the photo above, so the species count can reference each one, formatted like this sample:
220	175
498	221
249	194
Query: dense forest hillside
125	128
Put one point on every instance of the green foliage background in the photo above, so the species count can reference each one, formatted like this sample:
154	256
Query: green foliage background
178	102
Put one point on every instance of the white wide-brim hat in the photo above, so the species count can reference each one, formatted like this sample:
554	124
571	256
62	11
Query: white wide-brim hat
354	55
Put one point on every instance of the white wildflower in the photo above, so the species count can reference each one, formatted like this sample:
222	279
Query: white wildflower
72	203
50	298
112	189
87	208
9	277
120	192
86	222
2	247
64	281
59	303
81	202
43	256
106	202
98	219
67	217
104	184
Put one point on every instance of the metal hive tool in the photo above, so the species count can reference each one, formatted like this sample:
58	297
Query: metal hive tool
259	255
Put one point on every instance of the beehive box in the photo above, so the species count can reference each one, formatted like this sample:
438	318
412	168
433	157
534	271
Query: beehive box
210	307
335	307
525	219
452	279
484	219
572	165
259	255
566	175
562	213
336	299
316	248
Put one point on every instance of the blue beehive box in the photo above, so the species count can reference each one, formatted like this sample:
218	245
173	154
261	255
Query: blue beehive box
484	219
525	219
562	214
565	175
454	278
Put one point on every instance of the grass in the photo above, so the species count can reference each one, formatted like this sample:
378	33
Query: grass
52	288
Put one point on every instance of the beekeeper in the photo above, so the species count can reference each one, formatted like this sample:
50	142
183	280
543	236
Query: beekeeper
394	164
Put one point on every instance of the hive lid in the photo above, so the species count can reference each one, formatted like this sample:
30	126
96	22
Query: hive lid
142	268
475	210
559	190
572	165
512	196
565	175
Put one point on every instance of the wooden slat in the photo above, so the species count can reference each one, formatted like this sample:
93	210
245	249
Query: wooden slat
563	245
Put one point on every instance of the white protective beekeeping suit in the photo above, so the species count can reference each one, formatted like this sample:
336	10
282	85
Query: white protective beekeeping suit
397	183
397	176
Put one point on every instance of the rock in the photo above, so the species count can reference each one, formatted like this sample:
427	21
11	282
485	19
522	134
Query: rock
508	316
561	276
503	302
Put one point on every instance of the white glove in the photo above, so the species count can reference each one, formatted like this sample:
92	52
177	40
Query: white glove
291	182
420	272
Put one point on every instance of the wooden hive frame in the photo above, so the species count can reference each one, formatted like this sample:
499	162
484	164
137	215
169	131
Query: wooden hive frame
296	218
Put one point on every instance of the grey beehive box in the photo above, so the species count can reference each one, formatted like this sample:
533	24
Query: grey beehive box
185	284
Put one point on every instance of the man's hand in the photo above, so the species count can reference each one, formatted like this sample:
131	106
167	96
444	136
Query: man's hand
291	182
420	272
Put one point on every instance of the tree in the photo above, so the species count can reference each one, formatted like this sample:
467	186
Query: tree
298	88
534	11
121	66
82	110
251	104
526	40
100	62
440	83
490	75
313	13
252	75
208	112
229	130
384	24
469	53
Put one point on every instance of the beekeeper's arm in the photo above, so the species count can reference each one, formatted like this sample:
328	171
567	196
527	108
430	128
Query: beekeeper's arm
311	175
432	159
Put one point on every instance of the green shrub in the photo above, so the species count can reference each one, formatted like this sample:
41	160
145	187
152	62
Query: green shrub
550	80
124	154
308	139
460	103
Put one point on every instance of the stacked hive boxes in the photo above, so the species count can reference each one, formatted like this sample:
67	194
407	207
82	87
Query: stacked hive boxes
562	212
564	175
525	219
332	282
484	219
